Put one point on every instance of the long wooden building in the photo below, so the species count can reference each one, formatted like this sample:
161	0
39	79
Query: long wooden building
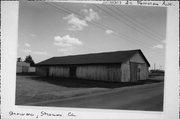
119	66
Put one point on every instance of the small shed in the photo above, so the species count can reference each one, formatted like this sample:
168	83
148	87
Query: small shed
24	67
118	66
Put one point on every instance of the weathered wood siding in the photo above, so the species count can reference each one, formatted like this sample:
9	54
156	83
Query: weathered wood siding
59	71
42	71
137	58
101	72
125	67
143	71
104	72
142	66
134	72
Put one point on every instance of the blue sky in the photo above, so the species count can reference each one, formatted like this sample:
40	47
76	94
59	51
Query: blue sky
59	29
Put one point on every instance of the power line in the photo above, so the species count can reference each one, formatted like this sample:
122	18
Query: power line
136	28
106	27
143	26
116	19
101	26
106	12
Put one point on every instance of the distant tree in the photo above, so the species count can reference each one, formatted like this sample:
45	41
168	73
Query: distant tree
19	59
29	60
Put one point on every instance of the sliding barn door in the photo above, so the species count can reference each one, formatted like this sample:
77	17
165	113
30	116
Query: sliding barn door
134	72
72	72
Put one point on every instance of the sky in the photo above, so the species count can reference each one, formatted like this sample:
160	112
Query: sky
59	29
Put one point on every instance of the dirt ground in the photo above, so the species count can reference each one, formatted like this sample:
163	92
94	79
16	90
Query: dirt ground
33	89
142	97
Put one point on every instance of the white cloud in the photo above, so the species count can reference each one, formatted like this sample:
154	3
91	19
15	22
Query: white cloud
75	23
78	24
91	15
109	31
160	46
66	41
66	44
27	45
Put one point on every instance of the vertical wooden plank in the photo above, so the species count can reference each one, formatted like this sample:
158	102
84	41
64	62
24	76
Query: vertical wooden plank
100	72
41	70
133	71
125	69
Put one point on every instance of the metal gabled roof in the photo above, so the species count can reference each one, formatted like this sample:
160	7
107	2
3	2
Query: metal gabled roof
94	58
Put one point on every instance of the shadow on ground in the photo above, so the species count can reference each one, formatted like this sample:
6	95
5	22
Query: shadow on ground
82	83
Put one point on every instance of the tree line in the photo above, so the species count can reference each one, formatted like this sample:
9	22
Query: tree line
28	59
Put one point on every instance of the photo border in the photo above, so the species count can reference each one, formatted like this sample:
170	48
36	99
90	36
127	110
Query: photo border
9	30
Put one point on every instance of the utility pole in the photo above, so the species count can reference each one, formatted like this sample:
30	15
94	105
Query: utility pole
154	66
